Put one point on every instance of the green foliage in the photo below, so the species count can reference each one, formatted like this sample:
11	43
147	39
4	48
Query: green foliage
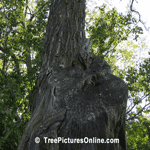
138	135
22	33
109	29
111	39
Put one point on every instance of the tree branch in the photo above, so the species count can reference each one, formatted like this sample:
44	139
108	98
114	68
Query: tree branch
138	112
140	100
131	8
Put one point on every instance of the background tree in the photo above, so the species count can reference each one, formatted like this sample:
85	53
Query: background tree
22	33
138	134
136	78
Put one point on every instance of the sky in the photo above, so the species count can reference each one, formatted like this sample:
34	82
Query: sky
142	7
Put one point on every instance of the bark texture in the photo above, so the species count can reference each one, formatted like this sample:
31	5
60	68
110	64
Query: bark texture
77	95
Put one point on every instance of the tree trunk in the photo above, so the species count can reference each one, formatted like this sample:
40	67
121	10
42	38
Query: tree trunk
77	95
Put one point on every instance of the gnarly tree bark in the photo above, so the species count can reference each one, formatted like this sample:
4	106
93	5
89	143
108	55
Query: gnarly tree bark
77	96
